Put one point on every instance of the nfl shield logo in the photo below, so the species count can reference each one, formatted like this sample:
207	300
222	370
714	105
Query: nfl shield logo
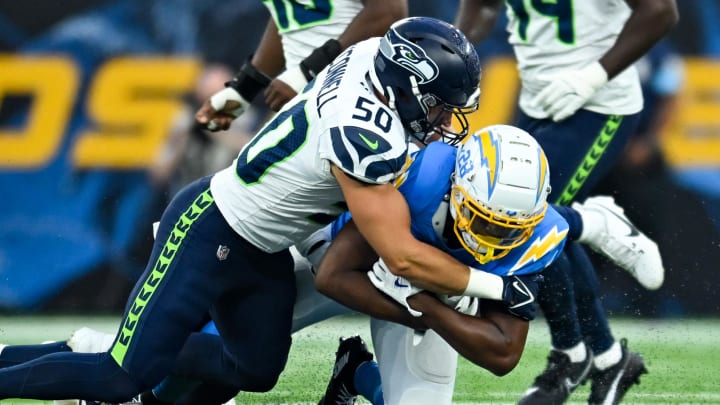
222	252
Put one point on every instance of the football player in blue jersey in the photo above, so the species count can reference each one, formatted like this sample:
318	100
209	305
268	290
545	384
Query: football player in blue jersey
485	204
222	243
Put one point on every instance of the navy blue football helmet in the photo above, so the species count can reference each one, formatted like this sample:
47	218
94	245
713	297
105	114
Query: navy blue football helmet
423	62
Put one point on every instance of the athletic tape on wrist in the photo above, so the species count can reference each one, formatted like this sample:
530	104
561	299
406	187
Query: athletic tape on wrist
482	284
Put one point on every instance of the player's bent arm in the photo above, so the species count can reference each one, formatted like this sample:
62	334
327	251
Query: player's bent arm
373	20
476	18
383	218
342	277
648	22
493	340
268	57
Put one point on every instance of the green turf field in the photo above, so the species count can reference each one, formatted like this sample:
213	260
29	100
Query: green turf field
683	357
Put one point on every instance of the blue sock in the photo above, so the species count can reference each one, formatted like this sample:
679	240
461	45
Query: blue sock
367	382
16	354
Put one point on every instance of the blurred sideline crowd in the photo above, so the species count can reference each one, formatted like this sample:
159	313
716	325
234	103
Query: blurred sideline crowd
679	209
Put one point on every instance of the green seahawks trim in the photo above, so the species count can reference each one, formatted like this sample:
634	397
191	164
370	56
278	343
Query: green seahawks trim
124	339
591	159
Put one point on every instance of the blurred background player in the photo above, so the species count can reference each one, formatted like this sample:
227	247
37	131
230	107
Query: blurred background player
288	57
581	98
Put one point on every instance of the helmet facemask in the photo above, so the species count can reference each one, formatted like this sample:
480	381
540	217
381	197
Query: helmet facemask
435	127
485	234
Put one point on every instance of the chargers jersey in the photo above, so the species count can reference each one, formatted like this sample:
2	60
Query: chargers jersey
280	188
426	187
306	24
550	37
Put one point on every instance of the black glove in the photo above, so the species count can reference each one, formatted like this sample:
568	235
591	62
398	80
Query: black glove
520	295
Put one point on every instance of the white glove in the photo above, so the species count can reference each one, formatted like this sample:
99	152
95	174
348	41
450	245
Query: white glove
228	101
464	304
294	77
568	91
393	286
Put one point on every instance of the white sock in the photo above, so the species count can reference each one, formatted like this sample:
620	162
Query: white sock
576	353
609	358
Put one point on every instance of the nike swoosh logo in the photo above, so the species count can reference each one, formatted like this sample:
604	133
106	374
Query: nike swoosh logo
614	387
399	284
524	290
633	230
371	145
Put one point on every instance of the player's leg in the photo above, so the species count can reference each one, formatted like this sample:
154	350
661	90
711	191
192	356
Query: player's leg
415	369
15	354
101	375
253	316
354	373
615	368
570	360
607	230
149	339
580	151
310	307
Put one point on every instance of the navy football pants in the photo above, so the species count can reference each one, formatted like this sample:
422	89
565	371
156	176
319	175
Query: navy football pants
580	150
198	266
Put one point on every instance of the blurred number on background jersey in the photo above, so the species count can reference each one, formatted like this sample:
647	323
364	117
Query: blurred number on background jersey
559	10
290	14
132	104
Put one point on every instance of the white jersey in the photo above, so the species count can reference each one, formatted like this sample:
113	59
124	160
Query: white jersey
550	37
307	24
280	188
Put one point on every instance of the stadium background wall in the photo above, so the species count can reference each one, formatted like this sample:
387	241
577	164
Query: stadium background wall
90	90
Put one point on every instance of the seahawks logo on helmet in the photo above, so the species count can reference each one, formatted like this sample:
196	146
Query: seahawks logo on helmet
409	56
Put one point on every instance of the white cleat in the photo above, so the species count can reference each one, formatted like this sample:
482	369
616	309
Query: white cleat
618	239
86	340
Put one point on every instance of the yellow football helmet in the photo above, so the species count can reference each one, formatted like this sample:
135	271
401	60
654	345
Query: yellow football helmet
499	192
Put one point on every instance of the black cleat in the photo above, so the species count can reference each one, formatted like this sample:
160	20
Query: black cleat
610	385
350	354
559	379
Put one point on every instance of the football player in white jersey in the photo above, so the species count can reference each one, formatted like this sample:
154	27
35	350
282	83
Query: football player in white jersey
300	39
580	97
222	243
